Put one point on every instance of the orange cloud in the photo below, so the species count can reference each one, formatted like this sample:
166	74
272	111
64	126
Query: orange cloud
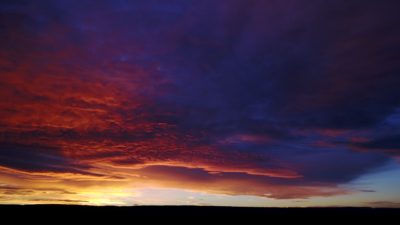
100	120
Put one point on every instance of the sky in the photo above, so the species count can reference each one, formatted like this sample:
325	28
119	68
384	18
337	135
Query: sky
274	103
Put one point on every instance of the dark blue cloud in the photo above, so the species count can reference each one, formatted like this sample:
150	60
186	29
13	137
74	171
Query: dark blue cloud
37	158
390	142
237	68
387	144
229	67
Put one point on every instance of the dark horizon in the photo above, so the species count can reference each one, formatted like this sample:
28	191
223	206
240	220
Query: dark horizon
67	214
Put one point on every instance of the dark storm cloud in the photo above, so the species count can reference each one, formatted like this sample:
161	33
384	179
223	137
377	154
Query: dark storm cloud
387	144
241	87
329	65
37	158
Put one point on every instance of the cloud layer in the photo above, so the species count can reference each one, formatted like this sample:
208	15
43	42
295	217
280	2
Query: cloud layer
280	99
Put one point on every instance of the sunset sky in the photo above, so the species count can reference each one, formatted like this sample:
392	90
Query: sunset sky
200	102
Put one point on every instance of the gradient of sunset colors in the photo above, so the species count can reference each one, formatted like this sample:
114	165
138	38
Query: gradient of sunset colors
200	102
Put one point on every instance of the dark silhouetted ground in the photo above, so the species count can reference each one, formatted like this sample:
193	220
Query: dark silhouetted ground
65	214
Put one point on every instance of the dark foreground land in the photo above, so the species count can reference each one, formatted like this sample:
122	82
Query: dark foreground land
65	214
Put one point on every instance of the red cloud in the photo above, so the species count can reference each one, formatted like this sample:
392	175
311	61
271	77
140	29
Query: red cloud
107	119
70	86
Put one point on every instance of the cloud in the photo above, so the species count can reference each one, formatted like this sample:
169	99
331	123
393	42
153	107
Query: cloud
235	183
368	191
383	204
241	97
13	190
388	144
37	158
